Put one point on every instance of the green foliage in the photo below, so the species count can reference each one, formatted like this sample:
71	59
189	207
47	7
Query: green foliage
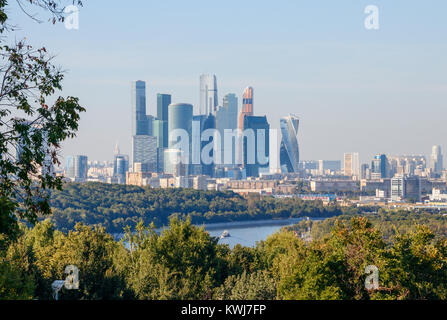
181	263
255	286
117	206
32	128
184	262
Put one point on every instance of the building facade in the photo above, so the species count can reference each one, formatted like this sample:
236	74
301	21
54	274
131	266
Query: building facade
289	151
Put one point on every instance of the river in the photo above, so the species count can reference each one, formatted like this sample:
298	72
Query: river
245	233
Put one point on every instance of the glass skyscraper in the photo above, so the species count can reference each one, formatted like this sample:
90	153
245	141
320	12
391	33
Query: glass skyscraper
226	118
144	151
255	148
139	118
247	106
436	160
379	167
76	168
289	152
160	124
208	94
180	117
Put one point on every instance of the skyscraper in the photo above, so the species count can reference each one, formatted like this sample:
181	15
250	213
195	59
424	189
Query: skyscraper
163	102
144	151
226	118
379	167
139	118
436	160
208	94
255	146
76	168
289	152
247	106
230	104
180	117
160	126
351	165
120	166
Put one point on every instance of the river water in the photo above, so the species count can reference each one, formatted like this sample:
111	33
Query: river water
245	233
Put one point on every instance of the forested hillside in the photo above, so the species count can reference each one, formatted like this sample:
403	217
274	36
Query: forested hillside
117	206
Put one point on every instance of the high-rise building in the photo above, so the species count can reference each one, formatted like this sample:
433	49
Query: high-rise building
230	104
180	117
289	152
139	118
247	106
163	102
379	167
160	131
255	145
144	150
120	166
406	188
208	94
436	163
76	168
351	165
208	168
160	125
226	118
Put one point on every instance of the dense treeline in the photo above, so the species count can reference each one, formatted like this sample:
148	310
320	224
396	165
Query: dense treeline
389	222
117	206
185	262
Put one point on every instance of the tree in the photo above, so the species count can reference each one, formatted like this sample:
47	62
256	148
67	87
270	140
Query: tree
256	286
31	127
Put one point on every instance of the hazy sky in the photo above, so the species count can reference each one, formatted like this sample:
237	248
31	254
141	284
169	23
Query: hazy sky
370	91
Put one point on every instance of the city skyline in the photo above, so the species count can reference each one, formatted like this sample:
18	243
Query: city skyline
332	69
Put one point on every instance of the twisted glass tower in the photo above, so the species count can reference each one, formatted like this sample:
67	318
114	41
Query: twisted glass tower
289	152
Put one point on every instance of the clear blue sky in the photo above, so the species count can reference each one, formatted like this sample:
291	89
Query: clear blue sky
381	91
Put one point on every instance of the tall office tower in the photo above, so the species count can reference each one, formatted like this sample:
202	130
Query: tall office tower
180	117
247	106
379	167
76	168
289	154
208	168
160	125
226	118
208	94
413	189
150	125
144	151
230	104
163	102
351	165
255	147
120	166
246	110
196	144
397	188
139	118
436	163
